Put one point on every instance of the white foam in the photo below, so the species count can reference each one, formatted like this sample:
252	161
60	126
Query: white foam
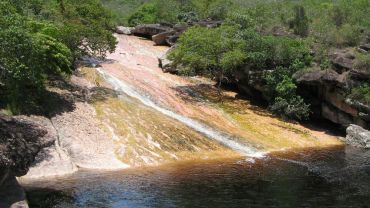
222	138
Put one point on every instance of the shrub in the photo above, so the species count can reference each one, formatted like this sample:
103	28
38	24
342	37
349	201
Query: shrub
39	38
361	93
339	15
349	35
209	52
147	13
292	108
220	52
282	88
362	62
300	23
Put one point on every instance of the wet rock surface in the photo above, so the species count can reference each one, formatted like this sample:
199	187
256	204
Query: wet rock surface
358	137
80	138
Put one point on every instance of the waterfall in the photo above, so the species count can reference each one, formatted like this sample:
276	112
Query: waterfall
226	140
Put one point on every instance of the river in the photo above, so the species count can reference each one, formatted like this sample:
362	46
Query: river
185	148
315	178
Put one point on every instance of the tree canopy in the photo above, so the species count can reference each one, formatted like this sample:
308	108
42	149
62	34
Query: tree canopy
39	38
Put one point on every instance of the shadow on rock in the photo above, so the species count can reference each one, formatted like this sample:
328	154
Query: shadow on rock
45	197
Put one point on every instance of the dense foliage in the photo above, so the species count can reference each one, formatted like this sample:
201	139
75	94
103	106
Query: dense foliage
236	46
336	23
39	38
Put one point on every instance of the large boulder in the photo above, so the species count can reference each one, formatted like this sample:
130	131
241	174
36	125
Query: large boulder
360	75
165	64
318	77
365	47
162	38
166	34
342	60
149	30
357	136
123	30
21	139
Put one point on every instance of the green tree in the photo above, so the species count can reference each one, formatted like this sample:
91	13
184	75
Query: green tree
300	23
39	38
147	13
210	52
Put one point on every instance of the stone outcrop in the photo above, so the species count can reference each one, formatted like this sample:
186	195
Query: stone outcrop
167	65
148	30
365	47
81	138
358	137
164	38
325	90
123	30
342	60
21	139
167	34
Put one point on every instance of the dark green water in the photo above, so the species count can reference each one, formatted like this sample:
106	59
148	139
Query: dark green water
325	178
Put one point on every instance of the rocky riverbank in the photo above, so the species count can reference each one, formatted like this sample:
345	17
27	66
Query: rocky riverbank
128	113
21	139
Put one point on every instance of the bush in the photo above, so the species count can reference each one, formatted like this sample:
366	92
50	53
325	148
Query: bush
39	39
361	93
300	23
210	52
362	62
282	88
292	108
339	15
146	14
220	52
122	9
349	35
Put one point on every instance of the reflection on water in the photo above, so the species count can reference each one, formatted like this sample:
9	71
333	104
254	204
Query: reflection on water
330	178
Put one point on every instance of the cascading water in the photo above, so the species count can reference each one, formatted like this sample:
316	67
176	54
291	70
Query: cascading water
220	137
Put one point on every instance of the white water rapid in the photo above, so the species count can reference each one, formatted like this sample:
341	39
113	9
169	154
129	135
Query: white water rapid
244	149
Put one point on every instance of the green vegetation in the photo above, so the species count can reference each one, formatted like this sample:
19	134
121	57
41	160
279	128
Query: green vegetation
362	62
222	52
361	93
300	22
333	23
41	38
122	9
147	13
210	52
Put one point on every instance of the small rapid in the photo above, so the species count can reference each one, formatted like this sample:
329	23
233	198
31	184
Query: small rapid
222	138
